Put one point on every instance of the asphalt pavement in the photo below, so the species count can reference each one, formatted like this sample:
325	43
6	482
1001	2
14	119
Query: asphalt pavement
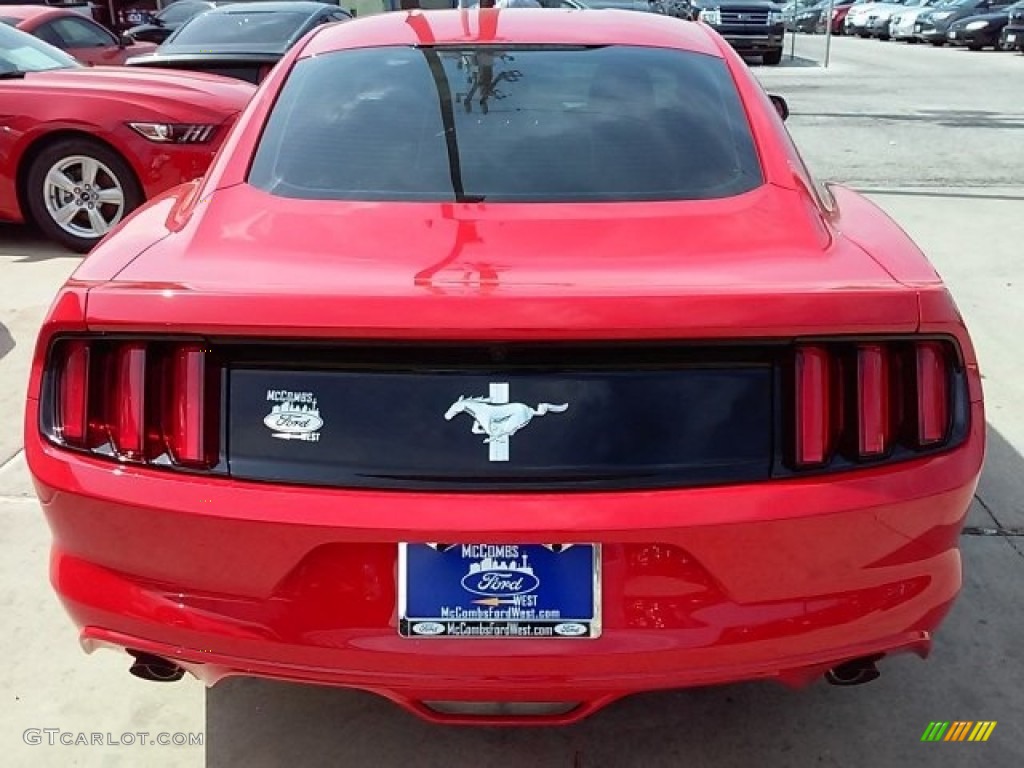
935	137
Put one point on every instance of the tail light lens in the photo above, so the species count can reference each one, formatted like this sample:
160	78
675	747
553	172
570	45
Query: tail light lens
933	407
814	428
154	403
71	421
193	402
874	400
126	424
873	394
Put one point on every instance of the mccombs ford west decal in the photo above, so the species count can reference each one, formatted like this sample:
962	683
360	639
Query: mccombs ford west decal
499	590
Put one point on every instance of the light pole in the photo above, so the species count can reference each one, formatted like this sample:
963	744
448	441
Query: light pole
828	31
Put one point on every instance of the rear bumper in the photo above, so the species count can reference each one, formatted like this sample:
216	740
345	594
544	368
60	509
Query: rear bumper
968	37
779	580
933	35
491	677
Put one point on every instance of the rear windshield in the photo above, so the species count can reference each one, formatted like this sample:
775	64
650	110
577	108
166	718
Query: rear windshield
234	29
538	124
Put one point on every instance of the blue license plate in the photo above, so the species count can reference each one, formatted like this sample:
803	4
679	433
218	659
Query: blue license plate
499	590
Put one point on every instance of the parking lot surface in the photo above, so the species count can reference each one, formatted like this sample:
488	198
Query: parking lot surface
935	137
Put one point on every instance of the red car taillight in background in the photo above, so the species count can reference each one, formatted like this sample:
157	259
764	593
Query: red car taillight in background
136	401
860	402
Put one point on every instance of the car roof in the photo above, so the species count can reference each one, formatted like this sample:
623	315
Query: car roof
25	12
514	25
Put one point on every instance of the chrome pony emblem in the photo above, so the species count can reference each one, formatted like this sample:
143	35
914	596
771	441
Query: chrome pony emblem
498	418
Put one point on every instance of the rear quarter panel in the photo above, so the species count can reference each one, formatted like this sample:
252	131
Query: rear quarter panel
862	222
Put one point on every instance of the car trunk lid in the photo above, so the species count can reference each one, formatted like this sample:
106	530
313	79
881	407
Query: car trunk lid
762	264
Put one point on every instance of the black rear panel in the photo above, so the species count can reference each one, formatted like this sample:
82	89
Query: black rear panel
248	72
557	417
239	70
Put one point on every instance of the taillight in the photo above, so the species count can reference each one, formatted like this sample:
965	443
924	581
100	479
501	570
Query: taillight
873	397
71	421
814	407
191	419
144	402
932	394
856	402
126	421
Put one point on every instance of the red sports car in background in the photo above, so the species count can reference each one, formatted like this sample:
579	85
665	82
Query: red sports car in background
85	146
72	32
840	10
504	363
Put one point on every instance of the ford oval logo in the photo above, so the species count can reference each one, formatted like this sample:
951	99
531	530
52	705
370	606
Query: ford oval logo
428	628
570	629
293	423
500	583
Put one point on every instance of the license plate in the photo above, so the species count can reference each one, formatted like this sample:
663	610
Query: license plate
1011	37
951	35
136	18
499	590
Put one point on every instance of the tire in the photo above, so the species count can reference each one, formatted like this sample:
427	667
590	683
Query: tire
90	182
938	43
771	58
975	47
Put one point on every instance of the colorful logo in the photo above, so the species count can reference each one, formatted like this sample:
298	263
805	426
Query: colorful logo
959	730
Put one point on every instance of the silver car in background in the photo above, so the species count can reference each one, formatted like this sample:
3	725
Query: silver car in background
901	26
879	23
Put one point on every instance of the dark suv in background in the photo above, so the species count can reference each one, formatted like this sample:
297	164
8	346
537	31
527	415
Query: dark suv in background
752	27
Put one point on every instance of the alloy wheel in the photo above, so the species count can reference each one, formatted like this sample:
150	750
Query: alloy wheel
83	196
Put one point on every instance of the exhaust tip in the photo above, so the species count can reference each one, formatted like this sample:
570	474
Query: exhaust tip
155	669
856	672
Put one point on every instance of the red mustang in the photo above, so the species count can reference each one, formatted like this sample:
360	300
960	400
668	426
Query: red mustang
85	146
507	362
83	38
